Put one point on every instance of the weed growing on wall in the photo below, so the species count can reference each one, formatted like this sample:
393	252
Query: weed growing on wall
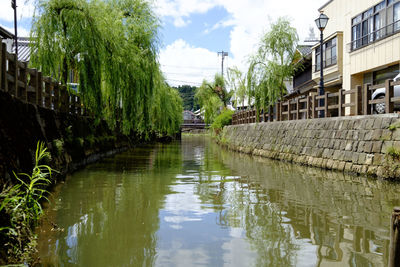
21	209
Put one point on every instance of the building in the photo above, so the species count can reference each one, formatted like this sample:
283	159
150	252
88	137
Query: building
361	44
24	48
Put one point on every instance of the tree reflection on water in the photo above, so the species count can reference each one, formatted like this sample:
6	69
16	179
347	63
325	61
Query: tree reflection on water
196	204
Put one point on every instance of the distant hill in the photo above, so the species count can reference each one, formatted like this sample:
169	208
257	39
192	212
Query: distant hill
187	93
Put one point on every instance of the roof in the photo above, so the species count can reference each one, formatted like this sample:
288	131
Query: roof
24	49
327	3
304	49
5	34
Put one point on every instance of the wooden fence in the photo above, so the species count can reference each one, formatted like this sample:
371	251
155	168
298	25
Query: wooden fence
308	106
30	86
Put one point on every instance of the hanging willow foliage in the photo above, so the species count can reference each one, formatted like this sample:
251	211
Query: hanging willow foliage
113	46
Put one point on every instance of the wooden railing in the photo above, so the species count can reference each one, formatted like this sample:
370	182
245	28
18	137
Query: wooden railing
308	106
30	86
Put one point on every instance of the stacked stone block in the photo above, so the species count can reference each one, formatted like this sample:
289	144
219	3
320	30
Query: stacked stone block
356	144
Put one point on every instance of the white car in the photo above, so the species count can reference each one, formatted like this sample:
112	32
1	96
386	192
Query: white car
380	93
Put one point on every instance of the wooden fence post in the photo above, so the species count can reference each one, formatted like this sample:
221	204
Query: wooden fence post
326	105
264	115
16	67
309	107
32	85
340	103
23	77
389	105
47	92
289	110
2	65
56	92
271	113
366	98
358	99
314	106
298	108
39	89
394	248
277	111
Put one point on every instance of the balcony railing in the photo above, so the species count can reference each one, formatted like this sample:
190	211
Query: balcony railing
374	36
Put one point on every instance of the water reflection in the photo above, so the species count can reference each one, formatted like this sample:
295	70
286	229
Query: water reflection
194	204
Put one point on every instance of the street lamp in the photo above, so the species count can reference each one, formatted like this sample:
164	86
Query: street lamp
14	6
321	22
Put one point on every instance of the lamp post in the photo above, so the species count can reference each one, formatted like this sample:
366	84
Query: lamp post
321	22
14	6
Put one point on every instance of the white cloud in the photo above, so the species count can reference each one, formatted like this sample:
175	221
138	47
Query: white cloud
248	19
185	64
22	32
25	9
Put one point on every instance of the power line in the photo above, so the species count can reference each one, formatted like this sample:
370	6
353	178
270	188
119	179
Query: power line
188	74
188	67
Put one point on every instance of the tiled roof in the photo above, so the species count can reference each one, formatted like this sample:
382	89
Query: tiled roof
5	34
304	49
24	49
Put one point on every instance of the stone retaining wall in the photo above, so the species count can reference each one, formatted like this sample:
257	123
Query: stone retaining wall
73	141
360	144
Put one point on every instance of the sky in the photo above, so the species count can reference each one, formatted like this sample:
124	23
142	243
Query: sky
193	31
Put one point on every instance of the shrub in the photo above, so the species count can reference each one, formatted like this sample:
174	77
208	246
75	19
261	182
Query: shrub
223	119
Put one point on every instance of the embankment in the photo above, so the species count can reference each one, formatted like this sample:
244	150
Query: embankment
72	140
360	144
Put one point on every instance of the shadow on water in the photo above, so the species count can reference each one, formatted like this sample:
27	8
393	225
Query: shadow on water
195	204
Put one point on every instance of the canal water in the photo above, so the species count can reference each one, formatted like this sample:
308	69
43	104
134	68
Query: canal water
192	203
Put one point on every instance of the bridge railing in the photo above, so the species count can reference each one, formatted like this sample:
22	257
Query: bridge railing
30	86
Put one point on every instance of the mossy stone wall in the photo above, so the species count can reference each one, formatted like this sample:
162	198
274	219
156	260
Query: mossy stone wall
359	144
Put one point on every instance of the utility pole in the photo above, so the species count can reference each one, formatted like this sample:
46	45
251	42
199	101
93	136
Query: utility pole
14	6
223	54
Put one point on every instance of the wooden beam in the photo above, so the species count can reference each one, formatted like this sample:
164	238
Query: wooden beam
389	106
366	98
394	248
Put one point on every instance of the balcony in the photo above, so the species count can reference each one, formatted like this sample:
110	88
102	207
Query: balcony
327	63
374	36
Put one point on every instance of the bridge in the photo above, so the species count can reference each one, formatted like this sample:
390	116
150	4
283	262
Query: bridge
189	125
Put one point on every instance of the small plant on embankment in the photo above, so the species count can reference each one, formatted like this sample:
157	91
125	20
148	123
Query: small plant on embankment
222	120
21	209
58	145
392	161
394	126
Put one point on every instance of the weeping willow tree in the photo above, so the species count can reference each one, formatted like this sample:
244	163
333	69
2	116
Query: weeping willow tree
166	108
212	96
272	65
112	46
237	82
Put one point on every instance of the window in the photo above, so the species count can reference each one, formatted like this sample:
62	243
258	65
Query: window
396	16
375	23
381	76
377	26
379	6
330	54
317	58
356	36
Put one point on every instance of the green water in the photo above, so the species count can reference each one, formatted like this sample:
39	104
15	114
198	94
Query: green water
191	203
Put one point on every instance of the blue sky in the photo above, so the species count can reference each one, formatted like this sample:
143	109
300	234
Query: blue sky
198	31
193	31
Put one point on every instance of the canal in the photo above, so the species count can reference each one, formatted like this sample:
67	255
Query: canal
191	203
